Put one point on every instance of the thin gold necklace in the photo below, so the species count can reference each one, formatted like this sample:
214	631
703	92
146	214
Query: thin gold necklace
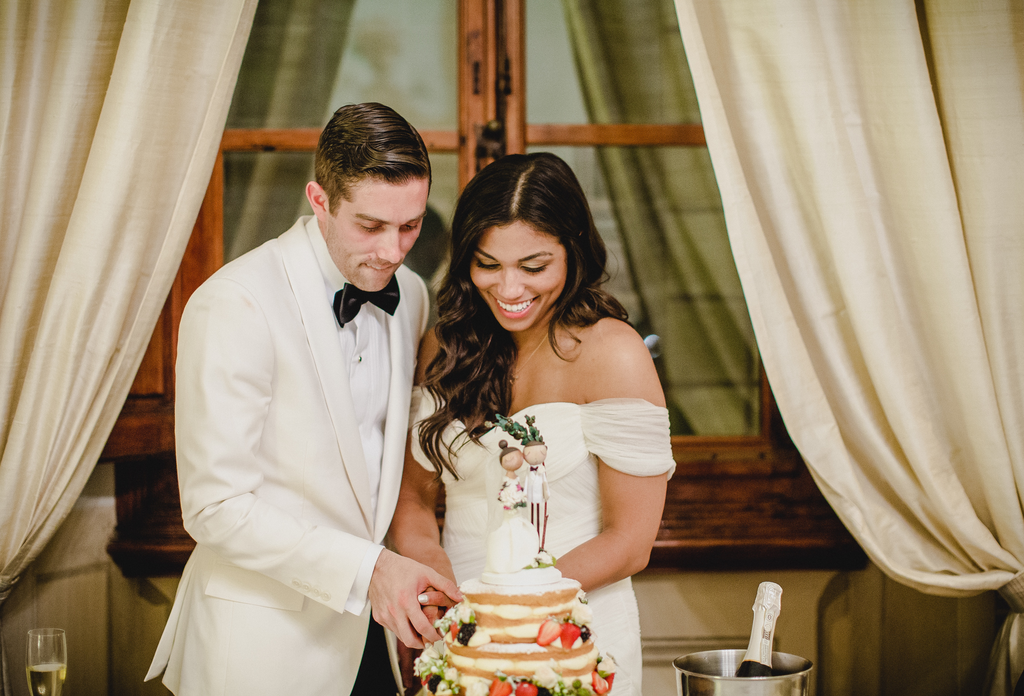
520	368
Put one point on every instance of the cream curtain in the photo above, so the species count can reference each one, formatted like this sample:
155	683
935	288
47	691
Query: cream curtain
110	118
871	159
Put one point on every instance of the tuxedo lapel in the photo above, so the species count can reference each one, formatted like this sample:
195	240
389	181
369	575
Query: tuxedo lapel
318	320
401	343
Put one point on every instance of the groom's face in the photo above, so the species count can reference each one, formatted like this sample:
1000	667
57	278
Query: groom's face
370	232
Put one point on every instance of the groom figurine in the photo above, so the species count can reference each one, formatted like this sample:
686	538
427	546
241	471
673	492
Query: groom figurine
294	374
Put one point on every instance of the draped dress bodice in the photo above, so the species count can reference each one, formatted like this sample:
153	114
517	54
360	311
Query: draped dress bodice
629	435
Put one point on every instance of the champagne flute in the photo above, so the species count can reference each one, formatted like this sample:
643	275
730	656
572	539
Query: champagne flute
46	661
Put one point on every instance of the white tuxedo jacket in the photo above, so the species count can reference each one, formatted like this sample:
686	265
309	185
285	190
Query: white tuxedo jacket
274	486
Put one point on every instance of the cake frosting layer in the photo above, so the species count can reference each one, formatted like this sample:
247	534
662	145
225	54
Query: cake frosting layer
514	614
522	660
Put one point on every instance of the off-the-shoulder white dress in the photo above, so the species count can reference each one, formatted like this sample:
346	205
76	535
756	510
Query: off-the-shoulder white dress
629	435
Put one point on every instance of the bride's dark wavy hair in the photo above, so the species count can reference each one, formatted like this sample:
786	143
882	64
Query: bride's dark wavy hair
469	377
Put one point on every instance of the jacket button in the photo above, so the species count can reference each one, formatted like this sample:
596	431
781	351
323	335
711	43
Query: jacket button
326	596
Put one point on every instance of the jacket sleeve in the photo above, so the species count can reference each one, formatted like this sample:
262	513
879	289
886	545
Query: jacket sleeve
224	377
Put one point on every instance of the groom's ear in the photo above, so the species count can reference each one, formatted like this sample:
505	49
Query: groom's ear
318	201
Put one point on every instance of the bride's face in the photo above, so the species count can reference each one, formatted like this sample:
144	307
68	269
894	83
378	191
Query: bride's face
520	273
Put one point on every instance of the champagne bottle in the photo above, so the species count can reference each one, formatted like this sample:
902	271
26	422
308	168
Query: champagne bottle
757	662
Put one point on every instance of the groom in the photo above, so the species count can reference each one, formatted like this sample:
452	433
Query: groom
294	374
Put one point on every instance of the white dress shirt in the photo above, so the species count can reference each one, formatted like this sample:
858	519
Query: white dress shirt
364	348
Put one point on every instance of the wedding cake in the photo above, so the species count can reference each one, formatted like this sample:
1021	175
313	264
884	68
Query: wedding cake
522	629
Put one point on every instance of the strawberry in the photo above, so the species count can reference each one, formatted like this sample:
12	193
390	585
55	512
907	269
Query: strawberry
500	688
599	683
526	689
610	678
548	633
570	632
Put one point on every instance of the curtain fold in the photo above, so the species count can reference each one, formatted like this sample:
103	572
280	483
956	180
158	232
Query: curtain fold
111	115
870	157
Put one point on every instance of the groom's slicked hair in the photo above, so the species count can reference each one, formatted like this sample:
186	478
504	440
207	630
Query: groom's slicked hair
367	141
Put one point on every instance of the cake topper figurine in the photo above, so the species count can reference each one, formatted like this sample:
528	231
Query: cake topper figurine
537	487
534	452
511	495
511	458
514	544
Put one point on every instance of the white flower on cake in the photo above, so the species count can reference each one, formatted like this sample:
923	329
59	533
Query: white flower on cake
582	614
546	676
463	613
431	653
543	559
607	665
479	688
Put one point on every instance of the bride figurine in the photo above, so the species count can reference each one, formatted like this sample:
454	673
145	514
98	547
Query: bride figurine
514	544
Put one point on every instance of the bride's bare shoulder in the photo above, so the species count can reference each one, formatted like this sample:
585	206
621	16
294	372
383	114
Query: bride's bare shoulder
614	363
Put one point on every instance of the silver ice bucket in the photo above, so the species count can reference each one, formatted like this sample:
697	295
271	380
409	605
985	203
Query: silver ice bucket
711	673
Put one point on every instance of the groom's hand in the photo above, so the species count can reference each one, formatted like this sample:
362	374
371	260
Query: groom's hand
395	587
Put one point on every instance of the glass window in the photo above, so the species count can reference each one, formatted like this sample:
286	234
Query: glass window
658	207
303	61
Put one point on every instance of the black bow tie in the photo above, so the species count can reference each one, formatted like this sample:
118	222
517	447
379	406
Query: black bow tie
349	299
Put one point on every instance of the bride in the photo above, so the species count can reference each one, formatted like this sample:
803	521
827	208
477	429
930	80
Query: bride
524	329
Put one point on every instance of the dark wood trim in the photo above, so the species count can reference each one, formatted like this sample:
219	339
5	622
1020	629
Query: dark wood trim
511	81
305	140
149	540
580	134
623	134
749	503
745	509
476	75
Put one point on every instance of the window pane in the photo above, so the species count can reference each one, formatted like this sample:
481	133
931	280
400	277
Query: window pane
659	208
305	59
264	193
671	266
403	54
616	61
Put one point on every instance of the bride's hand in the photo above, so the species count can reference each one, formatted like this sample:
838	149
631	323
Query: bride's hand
435	603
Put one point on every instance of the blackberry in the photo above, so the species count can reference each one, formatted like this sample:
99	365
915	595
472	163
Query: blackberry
432	683
585	633
466	632
541	691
